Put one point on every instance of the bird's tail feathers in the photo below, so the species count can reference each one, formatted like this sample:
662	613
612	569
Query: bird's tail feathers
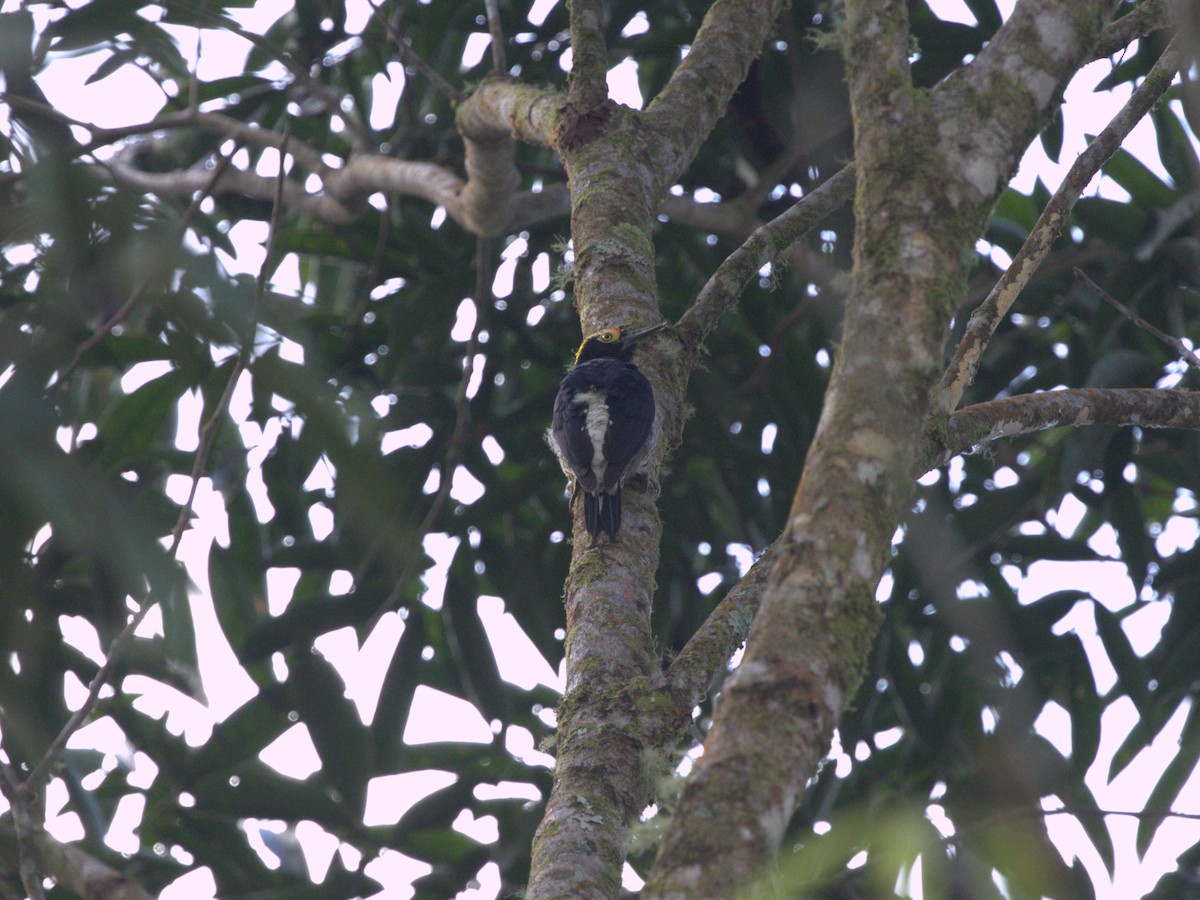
602	512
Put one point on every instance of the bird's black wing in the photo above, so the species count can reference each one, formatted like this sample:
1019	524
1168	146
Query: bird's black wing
631	412
569	433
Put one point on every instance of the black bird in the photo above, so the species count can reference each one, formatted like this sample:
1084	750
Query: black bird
604	427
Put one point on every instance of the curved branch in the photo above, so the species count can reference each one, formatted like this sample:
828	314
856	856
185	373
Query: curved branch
186	182
983	423
492	178
506	106
485	204
217	123
963	367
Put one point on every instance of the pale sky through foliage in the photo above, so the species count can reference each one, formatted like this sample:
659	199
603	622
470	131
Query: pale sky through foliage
440	717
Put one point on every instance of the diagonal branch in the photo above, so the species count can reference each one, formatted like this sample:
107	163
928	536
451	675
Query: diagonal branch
684	113
965	365
410	57
1170	340
720	293
704	656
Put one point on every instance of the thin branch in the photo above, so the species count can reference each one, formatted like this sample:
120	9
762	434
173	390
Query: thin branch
1149	16
1170	340
1166	223
719	295
410	57
207	437
984	321
684	113
329	98
374	272
217	123
16	101
496	28
1079	812
975	426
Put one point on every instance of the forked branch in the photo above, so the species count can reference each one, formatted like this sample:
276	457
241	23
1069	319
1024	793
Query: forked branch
965	365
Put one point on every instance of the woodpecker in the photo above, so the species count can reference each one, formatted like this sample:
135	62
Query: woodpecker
603	429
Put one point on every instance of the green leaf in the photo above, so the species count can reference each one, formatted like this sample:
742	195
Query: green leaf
243	733
319	693
1178	772
1052	138
137	421
1146	188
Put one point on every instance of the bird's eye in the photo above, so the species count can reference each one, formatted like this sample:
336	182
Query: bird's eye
608	336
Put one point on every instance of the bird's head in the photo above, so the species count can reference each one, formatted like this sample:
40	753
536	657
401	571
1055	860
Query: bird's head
613	342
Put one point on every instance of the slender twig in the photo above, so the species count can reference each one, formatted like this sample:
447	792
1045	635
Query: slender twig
217	123
329	98
193	102
410	57
1170	340
496	28
984	321
207	437
462	417
18	796
16	101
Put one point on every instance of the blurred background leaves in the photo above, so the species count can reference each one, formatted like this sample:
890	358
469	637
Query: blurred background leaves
330	461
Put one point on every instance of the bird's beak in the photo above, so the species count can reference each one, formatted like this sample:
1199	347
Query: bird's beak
644	333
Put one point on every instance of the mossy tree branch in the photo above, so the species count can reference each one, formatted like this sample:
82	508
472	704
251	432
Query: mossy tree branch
984	321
